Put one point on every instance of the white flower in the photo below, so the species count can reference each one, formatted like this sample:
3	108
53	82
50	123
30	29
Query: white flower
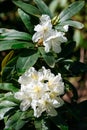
47	36
42	29
54	40
65	27
41	91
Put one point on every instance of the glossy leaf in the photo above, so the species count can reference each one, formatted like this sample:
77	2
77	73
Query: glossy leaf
8	87
10	34
43	7
6	104
13	44
71	10
70	23
27	60
48	57
15	121
3	111
30	9
26	20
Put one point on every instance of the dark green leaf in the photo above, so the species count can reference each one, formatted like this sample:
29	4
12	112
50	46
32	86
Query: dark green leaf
38	124
27	8
27	60
9	71
71	10
26	20
45	124
69	23
6	104
27	115
42	124
43	7
14	35
15	122
13	44
70	88
3	111
8	87
48	57
63	127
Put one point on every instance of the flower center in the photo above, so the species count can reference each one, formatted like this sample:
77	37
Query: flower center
37	89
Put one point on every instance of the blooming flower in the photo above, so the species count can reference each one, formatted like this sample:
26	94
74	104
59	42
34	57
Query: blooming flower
42	29
47	36
54	40
41	91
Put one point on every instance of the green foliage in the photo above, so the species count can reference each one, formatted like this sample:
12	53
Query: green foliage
26	20
71	10
48	57
43	7
28	8
26	60
24	53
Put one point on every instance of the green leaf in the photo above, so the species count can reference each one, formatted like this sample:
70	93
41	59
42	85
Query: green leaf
43	7
71	23
48	57
26	60
27	115
42	124
10	34
10	97
3	111
6	59
74	8
9	70
38	124
27	8
15	121
8	87
63	127
26	20
69	88
13	44
6	104
45	124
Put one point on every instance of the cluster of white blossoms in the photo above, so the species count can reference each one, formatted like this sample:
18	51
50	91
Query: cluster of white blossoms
51	38
41	91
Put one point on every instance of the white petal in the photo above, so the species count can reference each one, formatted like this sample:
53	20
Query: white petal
51	111
37	36
56	48
25	104
66	28
45	18
38	28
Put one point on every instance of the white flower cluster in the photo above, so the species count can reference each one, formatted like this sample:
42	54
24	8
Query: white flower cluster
50	38
41	91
